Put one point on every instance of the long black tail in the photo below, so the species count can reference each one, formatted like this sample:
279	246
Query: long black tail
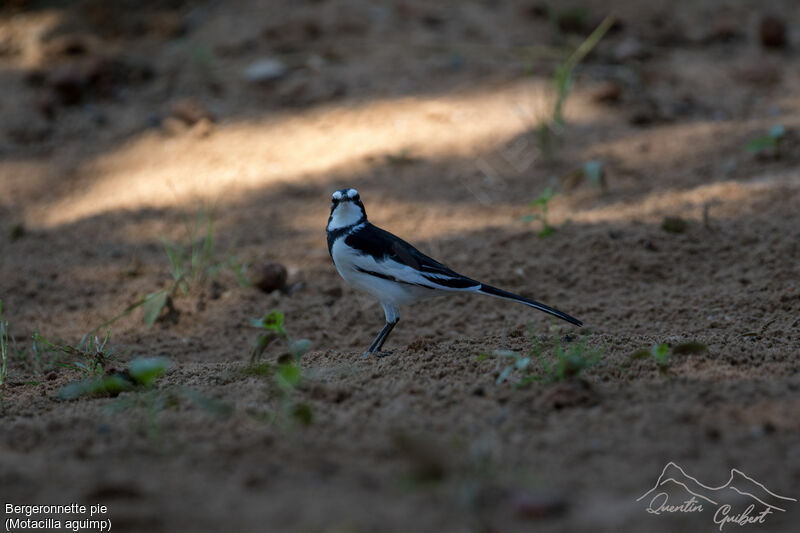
499	293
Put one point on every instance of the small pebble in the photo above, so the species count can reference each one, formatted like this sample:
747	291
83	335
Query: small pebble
190	111
607	92
772	31
270	277
265	71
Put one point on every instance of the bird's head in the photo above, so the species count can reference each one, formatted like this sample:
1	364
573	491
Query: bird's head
346	210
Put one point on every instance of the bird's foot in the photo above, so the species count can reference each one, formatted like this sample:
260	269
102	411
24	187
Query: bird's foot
382	353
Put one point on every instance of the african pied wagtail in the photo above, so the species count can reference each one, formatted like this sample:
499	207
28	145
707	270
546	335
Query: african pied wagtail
376	262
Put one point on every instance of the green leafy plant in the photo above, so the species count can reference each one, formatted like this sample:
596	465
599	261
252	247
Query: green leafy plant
10	353
520	363
191	263
594	173
154	303
566	363
92	355
288	374
570	361
660	353
769	143
151	402
145	371
541	203
563	79
139	379
272	326
288	378
141	373
550	130
194	262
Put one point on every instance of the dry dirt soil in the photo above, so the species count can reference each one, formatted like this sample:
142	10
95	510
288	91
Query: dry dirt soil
122	122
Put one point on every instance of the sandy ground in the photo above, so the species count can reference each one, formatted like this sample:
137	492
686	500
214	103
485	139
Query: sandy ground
118	125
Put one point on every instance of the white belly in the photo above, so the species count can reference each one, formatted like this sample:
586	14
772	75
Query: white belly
386	291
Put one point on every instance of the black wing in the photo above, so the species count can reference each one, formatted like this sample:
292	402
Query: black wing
382	246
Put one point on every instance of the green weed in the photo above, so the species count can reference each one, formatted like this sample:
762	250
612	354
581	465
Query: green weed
288	373
570	361
92	355
541	203
768	144
191	263
566	363
10	353
563	79
660	353
141	373
140	377
520	363
549	131
594	173
272	325
151	402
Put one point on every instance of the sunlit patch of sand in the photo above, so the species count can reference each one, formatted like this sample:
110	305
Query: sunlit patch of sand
29	27
236	158
724	199
240	158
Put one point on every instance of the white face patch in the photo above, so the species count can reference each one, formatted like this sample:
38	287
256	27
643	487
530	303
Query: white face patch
344	215
352	193
337	195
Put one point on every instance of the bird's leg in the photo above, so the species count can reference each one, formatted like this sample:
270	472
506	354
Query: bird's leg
391	326
381	335
392	318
